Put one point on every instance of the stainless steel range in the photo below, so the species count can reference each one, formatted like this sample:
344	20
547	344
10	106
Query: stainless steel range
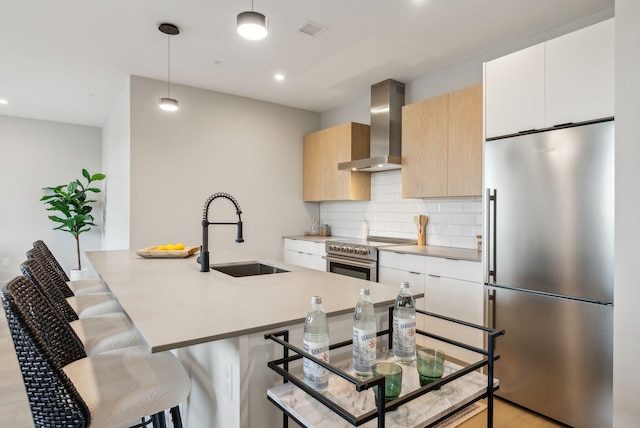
358	257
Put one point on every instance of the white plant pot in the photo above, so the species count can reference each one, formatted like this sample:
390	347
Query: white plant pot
77	274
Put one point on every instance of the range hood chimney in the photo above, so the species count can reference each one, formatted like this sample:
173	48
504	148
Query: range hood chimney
387	99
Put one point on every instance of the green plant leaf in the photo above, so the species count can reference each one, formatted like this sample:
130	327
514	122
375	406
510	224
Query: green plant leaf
73	206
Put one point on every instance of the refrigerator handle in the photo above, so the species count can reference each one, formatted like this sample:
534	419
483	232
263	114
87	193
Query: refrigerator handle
491	307
490	221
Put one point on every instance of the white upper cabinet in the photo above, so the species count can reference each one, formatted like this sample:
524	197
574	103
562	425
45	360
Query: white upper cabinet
580	75
567	79
514	92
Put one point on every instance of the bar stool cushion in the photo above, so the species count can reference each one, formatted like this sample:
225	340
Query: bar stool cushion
90	305
119	386
104	333
87	286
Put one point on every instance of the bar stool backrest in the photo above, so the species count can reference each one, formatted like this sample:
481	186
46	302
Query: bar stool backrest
39	244
54	274
56	333
33	269
54	400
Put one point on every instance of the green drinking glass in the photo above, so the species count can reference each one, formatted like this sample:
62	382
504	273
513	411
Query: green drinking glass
430	364
392	373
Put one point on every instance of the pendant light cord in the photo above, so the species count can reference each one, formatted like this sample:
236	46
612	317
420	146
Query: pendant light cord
168	65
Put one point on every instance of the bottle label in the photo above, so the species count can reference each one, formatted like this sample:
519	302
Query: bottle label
404	334
314	374
364	349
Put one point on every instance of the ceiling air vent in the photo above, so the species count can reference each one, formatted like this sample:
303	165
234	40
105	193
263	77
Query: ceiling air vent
311	28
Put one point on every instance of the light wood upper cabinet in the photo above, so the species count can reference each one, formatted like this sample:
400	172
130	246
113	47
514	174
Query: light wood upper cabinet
323	150
424	147
464	174
442	145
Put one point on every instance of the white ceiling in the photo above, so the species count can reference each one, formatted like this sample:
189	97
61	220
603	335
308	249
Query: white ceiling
67	60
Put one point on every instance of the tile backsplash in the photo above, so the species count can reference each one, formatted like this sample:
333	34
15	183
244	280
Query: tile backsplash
453	222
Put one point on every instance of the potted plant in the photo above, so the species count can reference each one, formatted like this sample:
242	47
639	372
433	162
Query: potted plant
73	204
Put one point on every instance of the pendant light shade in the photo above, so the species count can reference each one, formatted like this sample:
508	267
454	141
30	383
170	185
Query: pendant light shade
167	103
252	25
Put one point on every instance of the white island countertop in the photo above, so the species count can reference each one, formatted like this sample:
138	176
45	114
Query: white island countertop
173	304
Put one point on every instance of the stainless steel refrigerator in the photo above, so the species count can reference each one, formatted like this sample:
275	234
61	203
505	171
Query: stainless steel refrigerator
549	226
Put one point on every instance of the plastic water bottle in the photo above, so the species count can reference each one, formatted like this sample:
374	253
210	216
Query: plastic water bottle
316	342
404	326
364	335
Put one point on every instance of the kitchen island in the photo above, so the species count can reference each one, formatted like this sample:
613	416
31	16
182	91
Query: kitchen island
216	323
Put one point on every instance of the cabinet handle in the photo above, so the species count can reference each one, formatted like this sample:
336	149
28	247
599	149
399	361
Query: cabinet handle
414	273
434	276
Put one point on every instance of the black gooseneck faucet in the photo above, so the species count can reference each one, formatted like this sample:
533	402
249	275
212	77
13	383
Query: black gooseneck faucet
204	248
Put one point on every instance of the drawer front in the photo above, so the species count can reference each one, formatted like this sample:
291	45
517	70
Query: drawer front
317	248
401	261
310	261
451	268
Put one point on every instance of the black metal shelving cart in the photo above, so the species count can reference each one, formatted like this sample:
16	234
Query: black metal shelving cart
460	387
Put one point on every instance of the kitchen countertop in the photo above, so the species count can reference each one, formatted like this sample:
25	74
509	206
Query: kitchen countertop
315	238
173	304
435	251
421	250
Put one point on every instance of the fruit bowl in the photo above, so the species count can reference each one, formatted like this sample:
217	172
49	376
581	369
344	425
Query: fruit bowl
155	253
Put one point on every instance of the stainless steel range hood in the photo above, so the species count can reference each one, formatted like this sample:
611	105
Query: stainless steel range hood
387	99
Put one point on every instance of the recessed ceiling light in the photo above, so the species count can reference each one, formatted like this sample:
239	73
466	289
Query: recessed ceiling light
3	101
279	77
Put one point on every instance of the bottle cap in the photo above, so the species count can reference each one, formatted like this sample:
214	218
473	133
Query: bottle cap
404	284
364	291
315	300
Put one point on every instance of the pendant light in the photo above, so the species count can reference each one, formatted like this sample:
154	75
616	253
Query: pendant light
252	25
168	103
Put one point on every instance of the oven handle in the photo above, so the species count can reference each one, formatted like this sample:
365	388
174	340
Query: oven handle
352	262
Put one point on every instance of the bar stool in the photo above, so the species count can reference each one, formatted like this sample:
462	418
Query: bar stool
67	388
98	334
55	270
86	305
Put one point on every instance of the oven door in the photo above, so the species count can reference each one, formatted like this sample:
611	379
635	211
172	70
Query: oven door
357	268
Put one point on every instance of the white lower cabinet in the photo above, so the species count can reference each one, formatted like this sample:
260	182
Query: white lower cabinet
452	288
305	253
458	299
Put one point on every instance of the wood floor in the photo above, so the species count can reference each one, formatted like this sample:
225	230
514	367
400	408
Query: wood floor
507	415
15	412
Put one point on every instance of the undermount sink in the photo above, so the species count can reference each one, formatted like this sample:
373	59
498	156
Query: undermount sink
246	269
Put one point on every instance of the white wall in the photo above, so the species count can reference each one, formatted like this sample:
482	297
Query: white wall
216	143
116	163
626	372
37	154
